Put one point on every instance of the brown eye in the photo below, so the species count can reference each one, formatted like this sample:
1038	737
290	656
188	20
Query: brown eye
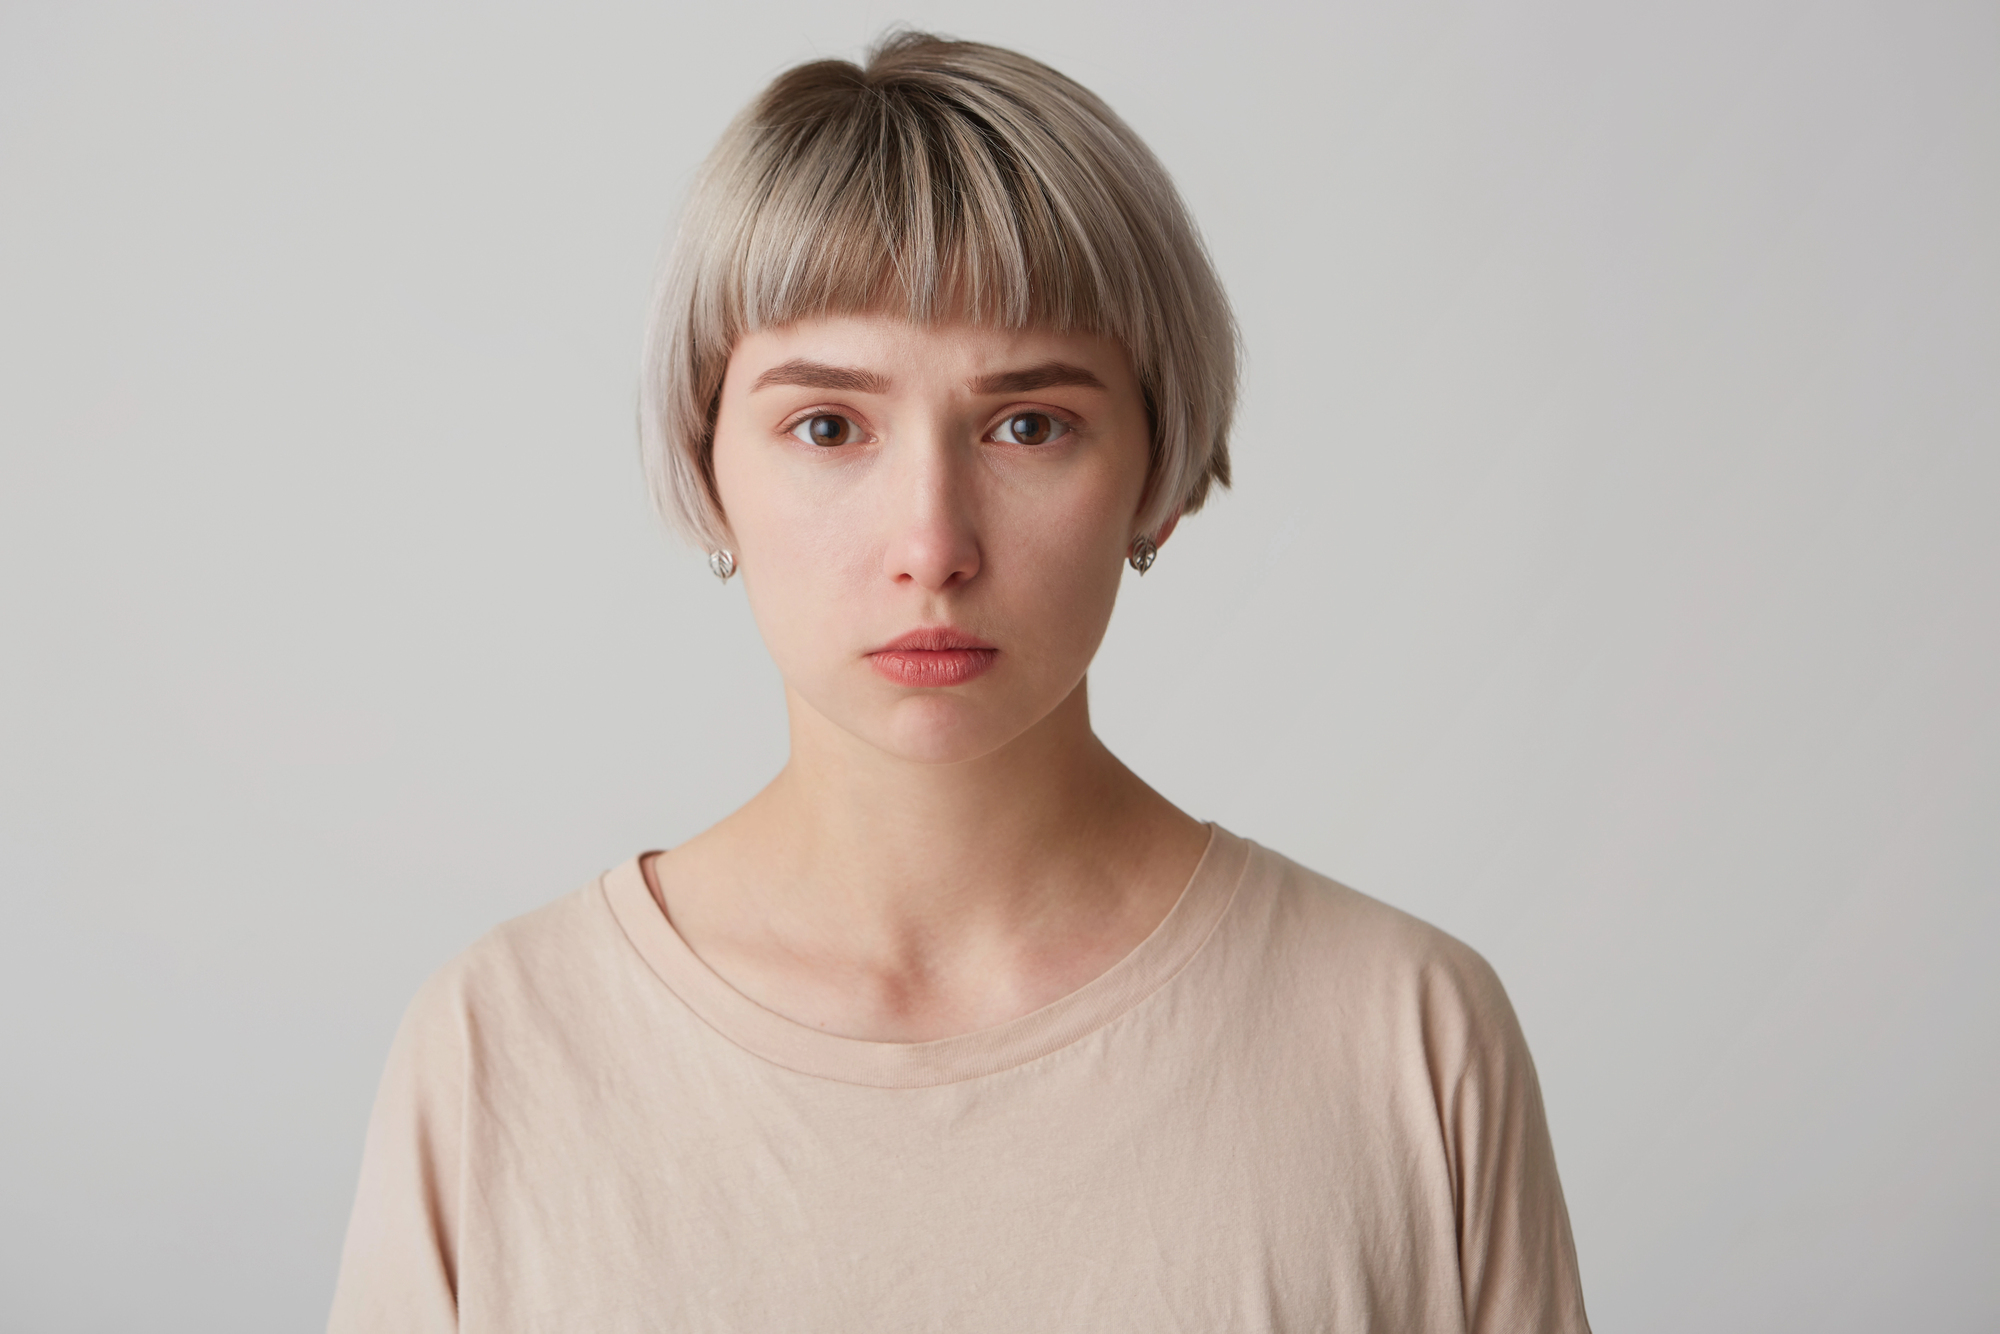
1030	428
827	429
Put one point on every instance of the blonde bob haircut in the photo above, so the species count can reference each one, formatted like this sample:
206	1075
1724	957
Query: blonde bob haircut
945	180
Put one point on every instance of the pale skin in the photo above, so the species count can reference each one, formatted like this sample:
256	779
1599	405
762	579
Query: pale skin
931	860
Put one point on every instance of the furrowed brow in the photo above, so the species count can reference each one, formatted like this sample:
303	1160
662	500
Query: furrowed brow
1048	375
818	375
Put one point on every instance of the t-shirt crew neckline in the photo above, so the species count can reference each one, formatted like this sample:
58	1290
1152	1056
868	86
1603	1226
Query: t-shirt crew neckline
807	1051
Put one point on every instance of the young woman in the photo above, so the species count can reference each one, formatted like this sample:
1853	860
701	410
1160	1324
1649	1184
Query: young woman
957	1025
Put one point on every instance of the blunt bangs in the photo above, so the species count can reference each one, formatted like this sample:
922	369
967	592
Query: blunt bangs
943	180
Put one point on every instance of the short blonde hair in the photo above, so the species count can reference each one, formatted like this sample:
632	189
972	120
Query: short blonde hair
945	179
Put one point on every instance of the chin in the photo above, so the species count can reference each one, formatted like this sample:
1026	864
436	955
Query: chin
938	729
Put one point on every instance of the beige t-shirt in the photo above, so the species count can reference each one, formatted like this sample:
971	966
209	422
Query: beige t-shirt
1290	1108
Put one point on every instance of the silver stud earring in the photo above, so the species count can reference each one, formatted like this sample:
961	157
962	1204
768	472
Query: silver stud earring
1143	553
722	564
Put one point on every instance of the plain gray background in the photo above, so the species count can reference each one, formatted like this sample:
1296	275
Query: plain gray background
1612	578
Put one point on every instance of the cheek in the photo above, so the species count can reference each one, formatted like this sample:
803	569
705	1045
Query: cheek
772	519
1058	555
803	563
813	546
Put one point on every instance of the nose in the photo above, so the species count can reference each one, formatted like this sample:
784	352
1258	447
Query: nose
933	540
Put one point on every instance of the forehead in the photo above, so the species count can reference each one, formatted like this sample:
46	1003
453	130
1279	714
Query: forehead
901	353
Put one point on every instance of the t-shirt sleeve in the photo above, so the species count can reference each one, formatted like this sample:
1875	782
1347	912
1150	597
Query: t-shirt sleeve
398	1269
1517	1261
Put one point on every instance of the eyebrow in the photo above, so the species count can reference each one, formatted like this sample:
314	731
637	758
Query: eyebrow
818	375
1048	375
807	374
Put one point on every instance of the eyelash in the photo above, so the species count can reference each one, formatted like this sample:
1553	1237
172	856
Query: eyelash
799	424
1060	426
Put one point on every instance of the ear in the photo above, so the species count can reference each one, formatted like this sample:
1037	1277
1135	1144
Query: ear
1167	529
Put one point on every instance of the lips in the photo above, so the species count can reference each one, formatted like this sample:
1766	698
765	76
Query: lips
929	658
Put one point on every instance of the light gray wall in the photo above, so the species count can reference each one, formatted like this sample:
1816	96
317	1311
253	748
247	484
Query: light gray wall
1612	577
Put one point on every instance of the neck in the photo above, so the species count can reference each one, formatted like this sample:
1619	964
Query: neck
898	900
886	840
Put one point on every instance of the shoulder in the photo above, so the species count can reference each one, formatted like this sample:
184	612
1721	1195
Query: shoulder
545	960
1408	1032
1340	953
1334	926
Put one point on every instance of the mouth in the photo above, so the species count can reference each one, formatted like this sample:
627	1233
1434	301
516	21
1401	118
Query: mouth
940	656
